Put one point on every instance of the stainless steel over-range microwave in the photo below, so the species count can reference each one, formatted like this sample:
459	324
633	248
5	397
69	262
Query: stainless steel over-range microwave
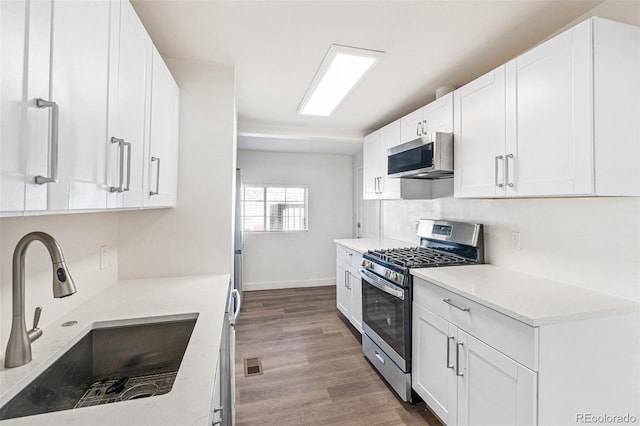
423	158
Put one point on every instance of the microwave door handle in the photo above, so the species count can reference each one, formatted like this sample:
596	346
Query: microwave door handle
386	288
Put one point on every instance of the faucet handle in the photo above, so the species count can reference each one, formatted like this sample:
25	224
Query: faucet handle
35	332
36	317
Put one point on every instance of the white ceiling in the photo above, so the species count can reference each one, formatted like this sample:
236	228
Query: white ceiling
277	46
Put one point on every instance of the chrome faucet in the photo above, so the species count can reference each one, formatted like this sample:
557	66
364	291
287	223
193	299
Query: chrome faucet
19	347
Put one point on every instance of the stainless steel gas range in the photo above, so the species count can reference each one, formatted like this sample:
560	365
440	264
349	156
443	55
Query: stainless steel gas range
387	292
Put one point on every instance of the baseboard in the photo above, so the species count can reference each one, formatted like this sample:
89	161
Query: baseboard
272	285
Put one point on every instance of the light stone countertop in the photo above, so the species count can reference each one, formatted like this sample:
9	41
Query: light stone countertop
189	401
363	245
533	300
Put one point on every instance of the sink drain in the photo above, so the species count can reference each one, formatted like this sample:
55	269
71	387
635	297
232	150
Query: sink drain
144	390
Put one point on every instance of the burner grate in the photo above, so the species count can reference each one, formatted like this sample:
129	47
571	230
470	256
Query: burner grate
417	257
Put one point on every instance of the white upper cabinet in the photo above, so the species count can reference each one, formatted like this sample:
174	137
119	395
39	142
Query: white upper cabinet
76	110
389	188
434	117
25	34
161	165
79	86
438	115
53	152
129	111
561	119
549	115
413	126
479	138
372	160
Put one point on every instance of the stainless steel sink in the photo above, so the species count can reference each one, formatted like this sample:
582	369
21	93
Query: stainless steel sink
148	354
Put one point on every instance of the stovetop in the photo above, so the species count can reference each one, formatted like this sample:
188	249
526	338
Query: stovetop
417	257
394	264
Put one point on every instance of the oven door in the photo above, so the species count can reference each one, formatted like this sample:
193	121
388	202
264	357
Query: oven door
386	317
411	158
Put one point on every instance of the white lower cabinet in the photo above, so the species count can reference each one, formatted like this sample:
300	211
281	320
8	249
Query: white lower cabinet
492	389
343	295
465	381
473	365
349	285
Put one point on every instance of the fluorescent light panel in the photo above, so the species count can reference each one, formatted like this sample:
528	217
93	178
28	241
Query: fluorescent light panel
342	68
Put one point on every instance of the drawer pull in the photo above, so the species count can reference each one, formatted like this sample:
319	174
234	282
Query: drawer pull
379	357
462	308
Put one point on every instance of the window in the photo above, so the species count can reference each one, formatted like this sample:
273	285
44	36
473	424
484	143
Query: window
274	208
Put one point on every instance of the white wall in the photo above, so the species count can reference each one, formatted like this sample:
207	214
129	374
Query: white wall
195	237
295	259
589	242
80	237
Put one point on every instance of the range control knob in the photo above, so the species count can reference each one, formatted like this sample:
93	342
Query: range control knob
394	276
387	274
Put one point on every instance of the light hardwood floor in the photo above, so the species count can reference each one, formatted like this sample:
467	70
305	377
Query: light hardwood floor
314	372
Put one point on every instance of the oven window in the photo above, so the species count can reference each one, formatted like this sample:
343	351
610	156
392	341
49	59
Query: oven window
412	159
386	315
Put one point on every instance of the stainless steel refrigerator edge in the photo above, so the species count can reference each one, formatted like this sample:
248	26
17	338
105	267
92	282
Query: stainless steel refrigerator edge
225	414
238	237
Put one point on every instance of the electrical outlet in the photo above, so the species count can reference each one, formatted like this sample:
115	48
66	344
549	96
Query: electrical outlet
104	250
515	240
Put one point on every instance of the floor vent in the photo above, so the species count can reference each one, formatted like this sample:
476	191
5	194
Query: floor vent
252	367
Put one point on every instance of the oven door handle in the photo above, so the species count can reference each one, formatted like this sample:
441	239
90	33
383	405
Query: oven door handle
369	278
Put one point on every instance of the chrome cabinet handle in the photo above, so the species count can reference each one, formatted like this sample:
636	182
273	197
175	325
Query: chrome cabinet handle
498	157
449	339
419	129
380	185
236	294
121	143
157	191
128	145
458	373
53	142
424	127
462	308
379	357
506	170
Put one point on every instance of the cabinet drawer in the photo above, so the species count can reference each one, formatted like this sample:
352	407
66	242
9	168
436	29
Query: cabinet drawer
511	337
350	257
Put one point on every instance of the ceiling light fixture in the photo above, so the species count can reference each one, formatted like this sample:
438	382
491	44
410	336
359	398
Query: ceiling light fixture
341	69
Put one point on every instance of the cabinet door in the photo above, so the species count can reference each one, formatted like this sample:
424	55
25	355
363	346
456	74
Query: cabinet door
355	285
479	143
162	161
372	147
438	115
129	110
13	105
550	116
389	188
493	389
343	295
79	85
412	126
433	362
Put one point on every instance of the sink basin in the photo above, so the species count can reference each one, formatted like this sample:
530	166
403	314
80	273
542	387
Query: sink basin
148	354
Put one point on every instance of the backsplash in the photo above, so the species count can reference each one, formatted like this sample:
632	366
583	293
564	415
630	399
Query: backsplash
588	242
80	236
